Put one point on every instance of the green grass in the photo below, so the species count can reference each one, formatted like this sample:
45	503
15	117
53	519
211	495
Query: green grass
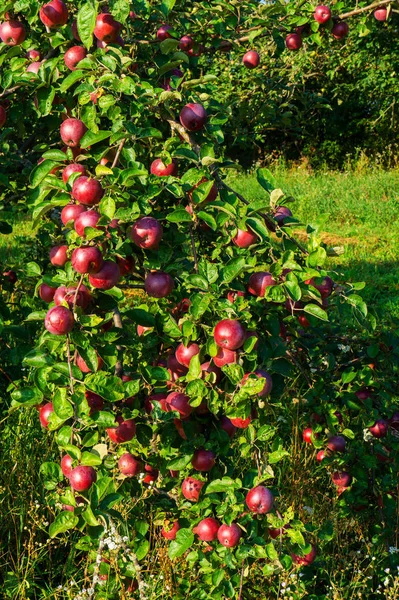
361	213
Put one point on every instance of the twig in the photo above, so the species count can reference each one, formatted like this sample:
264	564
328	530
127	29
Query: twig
9	378
194	249
76	293
358	11
118	153
119	363
185	135
10	91
68	347
241	582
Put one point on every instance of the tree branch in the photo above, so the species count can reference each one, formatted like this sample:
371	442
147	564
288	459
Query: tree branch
118	153
194	249
175	126
119	363
358	11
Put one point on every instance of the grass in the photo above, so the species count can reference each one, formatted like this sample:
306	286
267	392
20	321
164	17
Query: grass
361	213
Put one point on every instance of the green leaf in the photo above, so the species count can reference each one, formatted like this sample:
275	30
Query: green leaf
317	258
277	455
196	390
28	395
107	386
223	485
167	6
199	305
62	407
90	138
45	97
179	216
169	45
258	227
41	171
90	459
108	207
233	268
64	521
86	21
266	179
184	539
89	517
71	79
194	370
178	464
316	311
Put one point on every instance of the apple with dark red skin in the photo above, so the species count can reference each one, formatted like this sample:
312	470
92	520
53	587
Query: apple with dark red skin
259	500
293	41
66	465
107	277
73	56
82	478
159	169
163	32
336	443
280	214
379	429
191	488
84	367
123	432
363	394
203	460
170	534
107	29
207	367
71	212
3	116
229	535
193	116
161	398
94	401
267	388
307	435
229	334
340	30
381	14
87	259
129	465
305	560
126	264
44	413
175	368
210	197
244	239
59	320
259	282
275	533
251	59
184	354
225	357
321	455
186	43
179	402
12	33
46	292
54	14
72	168
87	191
67	294
180	428
196	50
324	285
322	14
304	321
341	479
88	218
147	233
227	426
158	284
10	277
240	422
207	529
58	255
72	131
75	31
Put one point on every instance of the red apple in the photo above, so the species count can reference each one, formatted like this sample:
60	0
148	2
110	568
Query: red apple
83	366
240	422
87	259
123	432
321	455
207	367
324	285
107	277
87	191
160	170
304	321
229	535
193	116
225	357
58	255
158	284
152	474
381	14
305	560
184	353
12	33
107	29
251	59
232	295
293	41
280	214
244	239
67	294
75	31
147	233
46	292
203	460
336	443
379	429
70	213
267	388
340	30
259	500
72	168
322	14
186	43
44	413
229	334
341	479
33	55
54	14
129	465
307	435
170	533
126	264
227	426
3	116
179	402
73	56
82	478
191	488
66	465
59	320
163	32
259	282
34	68
72	131
87	218
94	401
207	529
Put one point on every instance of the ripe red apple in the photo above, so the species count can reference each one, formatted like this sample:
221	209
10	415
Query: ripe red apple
196	50
225	357
10	276
341	479
336	443
227	426
82	478
107	29
163	32
129	465
259	282
244	239
280	214
147	233
322	14
229	535
73	56
72	168
70	212
207	367
33	55
321	455
184	353
87	259
3	116
275	533
158	284
340	30
304	321
54	14
293	41
87	191
229	334
12	33
44	413
203	460
46	292
267	388
123	432
83	366
251	59
307	435
72	131
58	255
160	170
175	367
191	488
193	116
152	474
207	529
379	429
87	218
107	277
186	43
179	402
126	264
67	294
324	285
34	68
75	31
170	533
305	560
94	401
381	14
240	422
259	500
59	320
363	394
66	465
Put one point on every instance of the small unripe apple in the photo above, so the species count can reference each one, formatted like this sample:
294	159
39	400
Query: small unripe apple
44	413
147	233
170	533
12	33
54	14
66	465
229	535
244	239
336	443
340	30
46	292
163	32
159	169
322	14
229	334
73	56
207	529
84	367
293	41
59	320
193	116
225	357
123	432
259	282
251	59
129	465
179	402
87	259
379	429
58	255
184	353
87	218
203	460
107	29
72	168
259	500
72	131
158	284
82	478
87	191
191	488
67	294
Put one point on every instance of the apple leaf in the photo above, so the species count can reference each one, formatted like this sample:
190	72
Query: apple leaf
223	485
184	539
316	311
107	386
63	522
178	464
90	138
86	21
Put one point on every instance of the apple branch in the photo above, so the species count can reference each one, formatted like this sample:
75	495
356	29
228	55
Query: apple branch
184	134
118	153
119	363
358	11
194	249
